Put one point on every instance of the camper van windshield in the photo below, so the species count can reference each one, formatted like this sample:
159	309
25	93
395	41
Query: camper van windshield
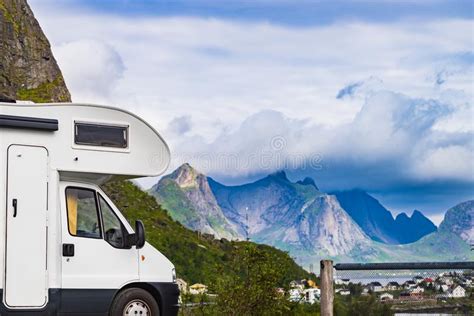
101	135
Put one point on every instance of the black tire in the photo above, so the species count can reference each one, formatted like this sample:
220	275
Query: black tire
134	296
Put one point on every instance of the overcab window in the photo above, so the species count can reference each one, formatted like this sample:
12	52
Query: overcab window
100	135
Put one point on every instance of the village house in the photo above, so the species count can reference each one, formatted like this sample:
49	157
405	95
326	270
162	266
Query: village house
428	281
295	295
458	292
418	279
298	293
417	290
312	295
376	287
386	297
446	279
342	281
309	296
345	292
442	287
409	284
467	282
297	285
392	286
197	289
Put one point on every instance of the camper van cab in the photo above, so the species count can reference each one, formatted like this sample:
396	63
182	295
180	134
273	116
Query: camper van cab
66	248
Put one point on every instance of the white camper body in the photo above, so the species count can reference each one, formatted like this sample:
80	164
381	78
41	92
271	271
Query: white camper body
66	249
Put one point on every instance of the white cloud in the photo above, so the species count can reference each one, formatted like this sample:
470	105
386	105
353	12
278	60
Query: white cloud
180	125
196	66
450	162
392	136
223	76
92	69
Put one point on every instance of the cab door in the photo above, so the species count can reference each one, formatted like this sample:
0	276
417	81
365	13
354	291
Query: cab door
94	255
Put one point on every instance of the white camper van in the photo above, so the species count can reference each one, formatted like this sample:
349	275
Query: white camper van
66	248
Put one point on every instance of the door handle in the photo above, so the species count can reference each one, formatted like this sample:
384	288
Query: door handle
68	250
15	207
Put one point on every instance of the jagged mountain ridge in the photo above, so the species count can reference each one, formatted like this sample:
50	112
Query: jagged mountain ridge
272	211
261	204
290	215
378	222
298	218
412	228
253	208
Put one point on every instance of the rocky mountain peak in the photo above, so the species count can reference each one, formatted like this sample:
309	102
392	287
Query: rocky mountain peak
460	221
402	216
281	175
186	176
329	228
188	197
28	68
308	181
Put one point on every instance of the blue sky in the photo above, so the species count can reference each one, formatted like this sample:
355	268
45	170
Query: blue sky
290	12
375	95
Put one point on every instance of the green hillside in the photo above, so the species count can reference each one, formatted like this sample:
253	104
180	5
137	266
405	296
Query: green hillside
198	258
173	199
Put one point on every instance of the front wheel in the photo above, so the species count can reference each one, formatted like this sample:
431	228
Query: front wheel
134	301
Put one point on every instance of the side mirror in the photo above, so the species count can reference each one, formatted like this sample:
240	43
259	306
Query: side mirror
140	234
137	239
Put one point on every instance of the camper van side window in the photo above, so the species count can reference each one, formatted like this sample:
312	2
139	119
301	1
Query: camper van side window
82	213
100	135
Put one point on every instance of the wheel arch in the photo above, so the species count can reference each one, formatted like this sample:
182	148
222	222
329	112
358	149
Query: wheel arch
144	286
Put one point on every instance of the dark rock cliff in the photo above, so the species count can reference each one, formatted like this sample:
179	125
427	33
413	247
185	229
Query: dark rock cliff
460	221
378	223
28	70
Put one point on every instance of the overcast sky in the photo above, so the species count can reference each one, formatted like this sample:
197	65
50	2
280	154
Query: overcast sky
375	95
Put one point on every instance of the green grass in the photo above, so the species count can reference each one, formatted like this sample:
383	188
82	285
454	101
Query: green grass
9	17
174	200
42	94
198	258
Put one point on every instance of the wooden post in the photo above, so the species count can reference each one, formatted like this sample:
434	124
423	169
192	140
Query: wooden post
327	288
